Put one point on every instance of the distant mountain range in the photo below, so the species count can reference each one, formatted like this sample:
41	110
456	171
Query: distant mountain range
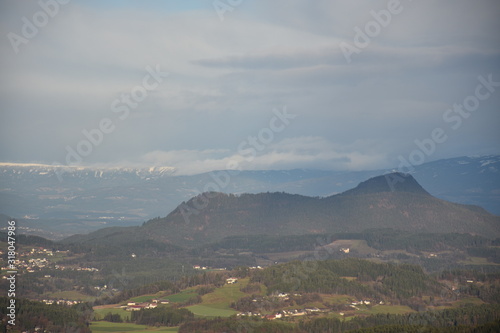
58	201
394	201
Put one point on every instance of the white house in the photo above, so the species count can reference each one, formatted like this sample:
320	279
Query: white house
231	280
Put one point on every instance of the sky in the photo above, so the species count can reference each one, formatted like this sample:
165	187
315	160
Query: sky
203	85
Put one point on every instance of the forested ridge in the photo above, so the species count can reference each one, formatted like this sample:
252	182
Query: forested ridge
212	216
386	280
380	239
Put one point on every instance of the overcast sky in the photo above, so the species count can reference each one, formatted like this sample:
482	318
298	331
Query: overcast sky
255	84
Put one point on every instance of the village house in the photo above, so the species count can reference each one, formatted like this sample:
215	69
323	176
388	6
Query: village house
231	280
283	295
132	306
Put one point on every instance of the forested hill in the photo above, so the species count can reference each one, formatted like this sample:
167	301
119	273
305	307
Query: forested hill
394	201
374	280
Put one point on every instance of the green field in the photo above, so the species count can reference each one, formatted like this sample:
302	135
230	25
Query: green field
354	244
59	256
222	297
104	326
100	313
147	298
476	261
337	299
209	311
218	302
383	309
468	300
70	295
181	297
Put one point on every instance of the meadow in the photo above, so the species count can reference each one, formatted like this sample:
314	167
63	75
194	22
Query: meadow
105	327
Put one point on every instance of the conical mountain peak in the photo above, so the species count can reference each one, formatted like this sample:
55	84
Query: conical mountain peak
391	182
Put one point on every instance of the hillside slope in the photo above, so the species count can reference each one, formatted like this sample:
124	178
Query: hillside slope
372	204
375	203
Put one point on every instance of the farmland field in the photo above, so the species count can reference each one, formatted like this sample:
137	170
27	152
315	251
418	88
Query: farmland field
181	297
222	297
218	302
105	327
72	295
146	298
100	313
383	309
210	311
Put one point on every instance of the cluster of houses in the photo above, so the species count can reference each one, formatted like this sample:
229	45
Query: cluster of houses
255	267
355	304
221	269
31	265
39	250
77	268
134	306
283	313
60	302
35	264
205	268
105	287
199	267
282	296
302	312
285	296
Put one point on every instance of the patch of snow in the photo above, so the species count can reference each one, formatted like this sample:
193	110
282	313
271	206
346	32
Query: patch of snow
485	163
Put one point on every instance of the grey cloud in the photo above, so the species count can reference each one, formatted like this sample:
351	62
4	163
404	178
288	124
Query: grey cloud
272	61
226	77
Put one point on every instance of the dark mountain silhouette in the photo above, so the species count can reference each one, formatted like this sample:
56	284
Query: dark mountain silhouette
390	201
393	182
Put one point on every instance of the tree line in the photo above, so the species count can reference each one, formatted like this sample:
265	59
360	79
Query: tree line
49	318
